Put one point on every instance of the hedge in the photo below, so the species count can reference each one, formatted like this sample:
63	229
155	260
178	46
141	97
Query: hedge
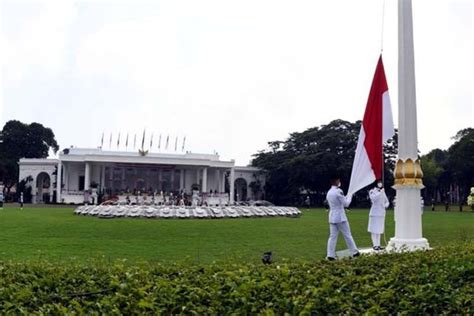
439	281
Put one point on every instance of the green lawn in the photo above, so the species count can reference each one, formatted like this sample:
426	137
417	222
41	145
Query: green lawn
56	234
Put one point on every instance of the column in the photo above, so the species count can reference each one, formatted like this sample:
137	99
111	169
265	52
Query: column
87	176
204	180
102	177
218	180
231	185
51	189
181	179
197	175
408	173
58	182
66	176
222	188
34	191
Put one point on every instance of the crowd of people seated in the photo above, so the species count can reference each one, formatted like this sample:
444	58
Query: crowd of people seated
149	197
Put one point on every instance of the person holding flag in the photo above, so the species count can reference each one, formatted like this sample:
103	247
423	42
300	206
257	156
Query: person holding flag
338	222
377	214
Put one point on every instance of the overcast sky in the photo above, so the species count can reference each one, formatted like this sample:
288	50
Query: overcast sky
228	75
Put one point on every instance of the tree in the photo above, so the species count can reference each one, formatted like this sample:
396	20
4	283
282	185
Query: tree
432	171
306	160
461	159
445	169
20	140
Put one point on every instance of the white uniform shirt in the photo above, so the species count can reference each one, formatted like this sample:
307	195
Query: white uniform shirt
337	202
379	202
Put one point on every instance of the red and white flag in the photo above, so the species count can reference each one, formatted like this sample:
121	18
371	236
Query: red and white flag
377	127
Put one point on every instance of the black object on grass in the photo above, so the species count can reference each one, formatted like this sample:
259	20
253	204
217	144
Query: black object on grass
267	257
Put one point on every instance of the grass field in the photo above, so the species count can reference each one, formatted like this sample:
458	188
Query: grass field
56	234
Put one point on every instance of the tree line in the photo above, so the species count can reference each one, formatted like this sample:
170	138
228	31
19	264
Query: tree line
295	168
301	165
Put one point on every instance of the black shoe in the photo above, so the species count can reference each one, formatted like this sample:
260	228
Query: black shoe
331	258
357	254
376	248
381	248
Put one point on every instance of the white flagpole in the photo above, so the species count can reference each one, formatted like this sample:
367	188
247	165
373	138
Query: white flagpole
126	143
184	141
408	173
110	141
159	143
118	141
143	139
176	144
102	141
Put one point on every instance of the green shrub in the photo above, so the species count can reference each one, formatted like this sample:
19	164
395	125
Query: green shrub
433	282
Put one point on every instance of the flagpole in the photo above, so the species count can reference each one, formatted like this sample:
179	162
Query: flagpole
408	174
383	167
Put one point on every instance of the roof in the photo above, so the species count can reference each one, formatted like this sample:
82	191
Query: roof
99	155
38	161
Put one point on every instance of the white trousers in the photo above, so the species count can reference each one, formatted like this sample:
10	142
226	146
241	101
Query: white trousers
376	240
345	230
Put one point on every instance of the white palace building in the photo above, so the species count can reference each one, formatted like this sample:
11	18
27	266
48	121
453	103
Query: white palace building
78	171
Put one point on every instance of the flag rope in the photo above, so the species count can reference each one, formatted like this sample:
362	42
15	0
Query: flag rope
383	22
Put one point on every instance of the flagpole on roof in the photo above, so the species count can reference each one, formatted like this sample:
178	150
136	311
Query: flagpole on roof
151	141
143	139
118	141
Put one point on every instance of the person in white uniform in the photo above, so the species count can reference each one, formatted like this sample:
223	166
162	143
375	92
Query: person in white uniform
377	214
338	222
21	200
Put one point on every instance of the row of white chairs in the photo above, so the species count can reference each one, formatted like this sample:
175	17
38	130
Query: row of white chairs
152	211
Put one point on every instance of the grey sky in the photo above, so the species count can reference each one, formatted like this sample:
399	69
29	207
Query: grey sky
230	75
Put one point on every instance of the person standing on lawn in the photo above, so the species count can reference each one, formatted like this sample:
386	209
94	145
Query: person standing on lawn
377	214
21	201
338	222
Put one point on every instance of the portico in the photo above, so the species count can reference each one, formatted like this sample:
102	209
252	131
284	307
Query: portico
117	172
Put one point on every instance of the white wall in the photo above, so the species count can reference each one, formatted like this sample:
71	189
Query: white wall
33	170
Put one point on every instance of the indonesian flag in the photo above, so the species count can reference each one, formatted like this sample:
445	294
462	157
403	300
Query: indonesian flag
377	127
